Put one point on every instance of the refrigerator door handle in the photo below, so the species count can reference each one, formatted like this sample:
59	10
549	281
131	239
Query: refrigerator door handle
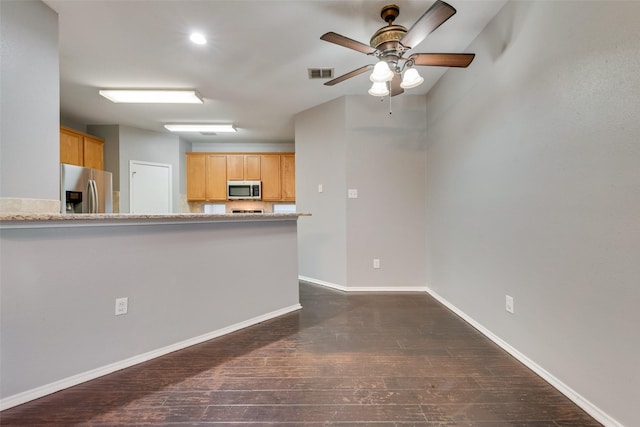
96	200
92	194
89	197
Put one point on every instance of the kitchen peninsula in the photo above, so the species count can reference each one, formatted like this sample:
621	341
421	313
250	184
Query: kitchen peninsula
187	278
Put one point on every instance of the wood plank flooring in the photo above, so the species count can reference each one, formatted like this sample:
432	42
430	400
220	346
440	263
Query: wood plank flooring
373	359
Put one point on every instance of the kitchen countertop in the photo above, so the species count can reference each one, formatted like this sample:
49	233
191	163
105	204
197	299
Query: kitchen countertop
39	220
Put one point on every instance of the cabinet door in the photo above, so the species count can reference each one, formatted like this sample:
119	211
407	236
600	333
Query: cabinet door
196	176
235	167
93	152
71	148
270	165
288	165
252	167
217	176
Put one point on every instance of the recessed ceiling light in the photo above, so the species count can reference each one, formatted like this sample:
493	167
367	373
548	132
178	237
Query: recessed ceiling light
193	127
152	96
198	38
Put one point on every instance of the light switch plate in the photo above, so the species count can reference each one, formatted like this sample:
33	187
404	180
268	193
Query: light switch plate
122	306
509	304
352	193
319	188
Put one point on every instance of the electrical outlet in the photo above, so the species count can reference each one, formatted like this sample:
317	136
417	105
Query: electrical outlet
319	188
352	193
509	304
121	306
376	263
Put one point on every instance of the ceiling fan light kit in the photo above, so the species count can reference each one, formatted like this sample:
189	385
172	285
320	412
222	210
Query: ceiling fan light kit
381	73
411	79
379	89
389	45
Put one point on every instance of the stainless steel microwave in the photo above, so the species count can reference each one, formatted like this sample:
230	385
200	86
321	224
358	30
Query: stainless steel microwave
244	190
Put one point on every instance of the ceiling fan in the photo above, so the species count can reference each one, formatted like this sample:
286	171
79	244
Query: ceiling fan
391	42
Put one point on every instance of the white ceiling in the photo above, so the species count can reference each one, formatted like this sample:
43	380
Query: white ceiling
252	72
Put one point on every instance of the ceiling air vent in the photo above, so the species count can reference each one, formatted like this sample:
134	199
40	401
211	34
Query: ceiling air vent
320	73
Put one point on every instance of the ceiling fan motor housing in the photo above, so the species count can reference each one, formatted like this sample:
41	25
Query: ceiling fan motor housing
389	13
387	39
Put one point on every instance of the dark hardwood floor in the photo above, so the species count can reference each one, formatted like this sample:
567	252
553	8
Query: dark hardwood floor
372	359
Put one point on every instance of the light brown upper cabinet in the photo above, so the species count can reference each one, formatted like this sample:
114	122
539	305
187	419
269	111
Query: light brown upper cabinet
271	187
71	150
243	167
206	176
93	152
279	177
78	148
196	176
288	171
216	177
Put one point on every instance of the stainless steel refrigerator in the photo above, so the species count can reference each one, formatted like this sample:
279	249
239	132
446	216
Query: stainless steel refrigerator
85	190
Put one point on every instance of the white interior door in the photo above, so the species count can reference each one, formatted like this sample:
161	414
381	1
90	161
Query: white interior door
149	187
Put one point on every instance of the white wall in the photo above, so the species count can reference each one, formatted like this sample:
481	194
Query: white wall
148	146
126	143
185	147
385	158
29	101
244	147
533	190
353	142
320	159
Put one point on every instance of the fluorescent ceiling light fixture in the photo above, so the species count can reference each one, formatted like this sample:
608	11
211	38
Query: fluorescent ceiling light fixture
198	38
185	127
152	96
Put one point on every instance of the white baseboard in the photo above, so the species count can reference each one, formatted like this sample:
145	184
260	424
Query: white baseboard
575	397
44	390
363	288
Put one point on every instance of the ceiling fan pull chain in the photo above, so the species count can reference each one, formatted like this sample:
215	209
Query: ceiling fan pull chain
390	112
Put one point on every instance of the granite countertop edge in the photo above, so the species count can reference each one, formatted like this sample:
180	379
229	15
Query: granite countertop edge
57	218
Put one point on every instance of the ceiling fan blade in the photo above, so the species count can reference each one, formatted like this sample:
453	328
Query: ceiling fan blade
435	16
349	75
443	59
332	37
395	85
